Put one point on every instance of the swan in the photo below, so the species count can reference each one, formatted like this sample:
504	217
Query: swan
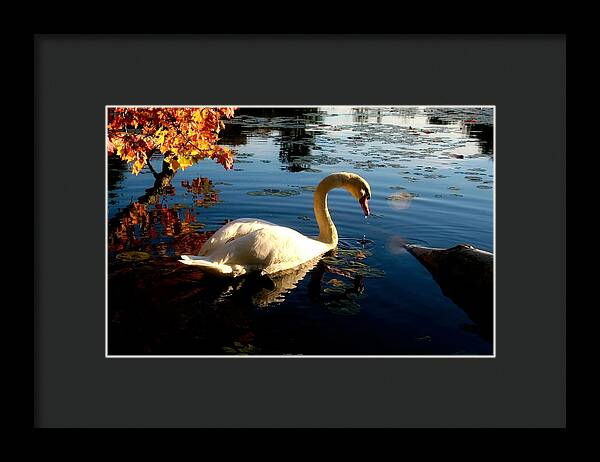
251	245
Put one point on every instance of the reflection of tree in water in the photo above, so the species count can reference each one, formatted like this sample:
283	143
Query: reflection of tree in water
476	123
361	115
116	174
234	134
484	134
295	147
433	120
295	141
147	223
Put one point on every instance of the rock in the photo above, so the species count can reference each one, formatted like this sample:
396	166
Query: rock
466	276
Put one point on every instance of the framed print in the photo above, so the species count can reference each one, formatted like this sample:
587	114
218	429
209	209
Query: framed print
262	238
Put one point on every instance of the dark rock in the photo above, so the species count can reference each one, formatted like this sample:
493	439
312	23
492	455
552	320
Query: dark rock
466	276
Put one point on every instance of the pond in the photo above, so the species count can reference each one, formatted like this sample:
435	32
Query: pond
431	172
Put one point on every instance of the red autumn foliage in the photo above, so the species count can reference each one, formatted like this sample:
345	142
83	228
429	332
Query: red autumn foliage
182	135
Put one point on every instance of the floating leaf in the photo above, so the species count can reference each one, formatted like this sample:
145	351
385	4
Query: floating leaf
336	282
133	256
343	307
401	200
334	290
361	255
274	192
402	196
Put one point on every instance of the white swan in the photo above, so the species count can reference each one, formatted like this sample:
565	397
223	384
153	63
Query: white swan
248	245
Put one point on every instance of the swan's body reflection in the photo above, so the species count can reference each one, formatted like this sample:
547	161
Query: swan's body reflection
266	291
263	291
273	289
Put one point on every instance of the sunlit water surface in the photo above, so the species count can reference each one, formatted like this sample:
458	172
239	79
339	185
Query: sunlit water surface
431	175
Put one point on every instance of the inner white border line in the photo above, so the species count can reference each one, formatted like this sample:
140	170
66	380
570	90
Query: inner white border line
107	356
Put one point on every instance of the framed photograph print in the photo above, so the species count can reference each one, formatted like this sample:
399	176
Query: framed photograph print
268	229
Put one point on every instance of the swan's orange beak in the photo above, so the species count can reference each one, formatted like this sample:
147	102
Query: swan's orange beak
364	204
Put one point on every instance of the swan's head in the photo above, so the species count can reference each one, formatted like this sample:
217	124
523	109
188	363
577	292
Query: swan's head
360	189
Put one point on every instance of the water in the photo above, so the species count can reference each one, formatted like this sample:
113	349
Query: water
431	176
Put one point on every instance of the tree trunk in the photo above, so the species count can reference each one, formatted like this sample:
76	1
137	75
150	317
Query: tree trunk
151	196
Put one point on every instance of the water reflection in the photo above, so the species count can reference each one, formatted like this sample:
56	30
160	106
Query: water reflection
157	306
299	141
296	140
116	174
484	134
150	224
475	122
274	288
295	146
234	134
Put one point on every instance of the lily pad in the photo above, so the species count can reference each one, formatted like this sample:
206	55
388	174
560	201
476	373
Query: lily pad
241	349
402	196
274	192
133	256
401	200
343	307
334	290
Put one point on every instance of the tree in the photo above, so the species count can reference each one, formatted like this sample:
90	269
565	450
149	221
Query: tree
182	135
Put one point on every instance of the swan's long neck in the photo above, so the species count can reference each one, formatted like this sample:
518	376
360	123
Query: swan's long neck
327	232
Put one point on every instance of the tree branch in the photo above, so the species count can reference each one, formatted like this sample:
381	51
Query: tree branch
154	172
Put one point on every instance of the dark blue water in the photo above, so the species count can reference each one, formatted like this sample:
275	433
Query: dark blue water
431	175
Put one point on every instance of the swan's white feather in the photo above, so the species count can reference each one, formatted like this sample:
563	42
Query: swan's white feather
233	229
250	245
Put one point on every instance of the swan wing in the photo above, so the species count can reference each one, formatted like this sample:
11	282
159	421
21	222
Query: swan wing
231	231
269	249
